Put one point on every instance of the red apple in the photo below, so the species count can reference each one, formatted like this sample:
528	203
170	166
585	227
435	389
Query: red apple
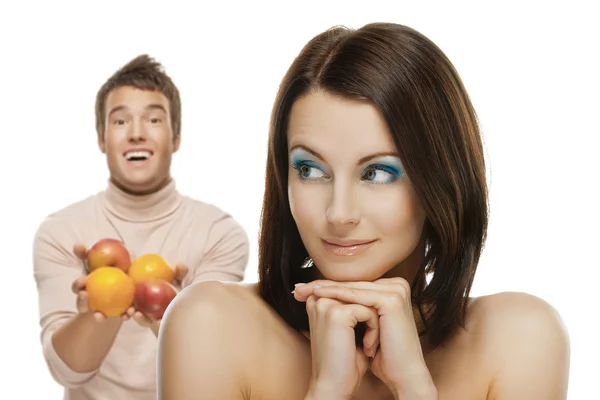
152	297
108	253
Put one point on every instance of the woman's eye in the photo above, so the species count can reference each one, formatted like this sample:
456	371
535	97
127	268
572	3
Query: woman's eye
309	170
381	174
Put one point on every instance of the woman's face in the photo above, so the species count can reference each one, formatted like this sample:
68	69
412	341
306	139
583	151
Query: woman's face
355	208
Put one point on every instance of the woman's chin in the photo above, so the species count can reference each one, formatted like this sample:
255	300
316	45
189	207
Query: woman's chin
338	274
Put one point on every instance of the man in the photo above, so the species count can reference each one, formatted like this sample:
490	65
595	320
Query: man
138	122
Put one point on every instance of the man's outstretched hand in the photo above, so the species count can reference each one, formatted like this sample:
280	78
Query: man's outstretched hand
79	287
181	272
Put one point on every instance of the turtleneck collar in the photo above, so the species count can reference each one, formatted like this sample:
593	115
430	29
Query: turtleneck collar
141	208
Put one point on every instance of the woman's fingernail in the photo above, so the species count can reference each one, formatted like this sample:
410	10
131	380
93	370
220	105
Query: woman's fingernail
374	351
297	285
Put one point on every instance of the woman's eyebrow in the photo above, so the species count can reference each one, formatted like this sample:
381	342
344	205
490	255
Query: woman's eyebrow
379	154
308	149
361	161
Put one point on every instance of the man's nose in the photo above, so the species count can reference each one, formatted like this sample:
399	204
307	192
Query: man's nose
137	131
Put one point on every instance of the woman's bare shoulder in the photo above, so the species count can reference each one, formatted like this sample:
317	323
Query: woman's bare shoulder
207	337
217	302
525	341
502	313
228	331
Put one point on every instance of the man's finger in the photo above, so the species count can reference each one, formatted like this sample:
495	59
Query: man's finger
181	271
80	251
141	319
82	302
78	284
99	317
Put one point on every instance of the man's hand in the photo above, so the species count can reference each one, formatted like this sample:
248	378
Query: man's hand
78	287
181	271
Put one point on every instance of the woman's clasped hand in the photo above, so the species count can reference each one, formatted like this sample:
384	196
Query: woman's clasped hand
391	346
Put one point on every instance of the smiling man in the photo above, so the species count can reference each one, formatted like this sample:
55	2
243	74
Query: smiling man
138	124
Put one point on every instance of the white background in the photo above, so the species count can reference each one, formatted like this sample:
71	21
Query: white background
531	70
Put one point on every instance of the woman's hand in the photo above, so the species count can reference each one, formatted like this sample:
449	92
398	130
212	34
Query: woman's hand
338	366
399	360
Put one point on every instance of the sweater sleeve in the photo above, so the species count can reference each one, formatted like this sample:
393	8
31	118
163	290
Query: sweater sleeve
226	255
55	267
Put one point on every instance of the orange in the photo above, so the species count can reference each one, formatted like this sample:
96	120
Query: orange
151	266
110	291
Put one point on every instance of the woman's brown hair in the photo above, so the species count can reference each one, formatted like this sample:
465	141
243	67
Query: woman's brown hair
435	129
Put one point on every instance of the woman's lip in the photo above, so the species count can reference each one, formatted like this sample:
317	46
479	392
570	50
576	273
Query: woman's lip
347	243
347	248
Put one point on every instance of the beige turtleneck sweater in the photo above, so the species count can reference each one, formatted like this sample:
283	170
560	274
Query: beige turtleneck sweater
183	230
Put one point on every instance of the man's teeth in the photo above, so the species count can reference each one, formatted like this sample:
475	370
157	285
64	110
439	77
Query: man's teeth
137	155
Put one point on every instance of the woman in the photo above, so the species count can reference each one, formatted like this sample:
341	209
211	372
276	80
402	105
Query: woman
374	218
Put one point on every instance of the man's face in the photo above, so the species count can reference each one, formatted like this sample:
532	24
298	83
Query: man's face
138	139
